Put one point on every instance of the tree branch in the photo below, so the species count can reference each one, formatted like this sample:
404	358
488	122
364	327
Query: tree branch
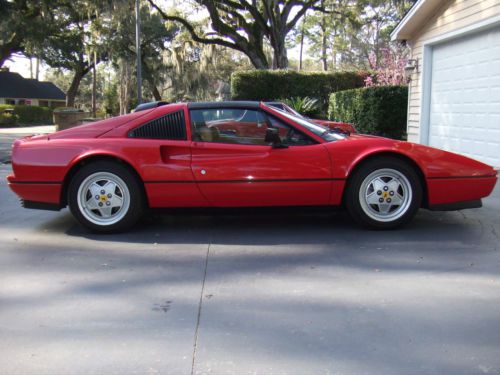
192	31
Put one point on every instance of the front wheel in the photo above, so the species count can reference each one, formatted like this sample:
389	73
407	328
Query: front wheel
384	193
105	197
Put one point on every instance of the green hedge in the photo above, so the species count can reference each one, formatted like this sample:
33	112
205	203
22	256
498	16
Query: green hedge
380	110
276	84
28	114
8	119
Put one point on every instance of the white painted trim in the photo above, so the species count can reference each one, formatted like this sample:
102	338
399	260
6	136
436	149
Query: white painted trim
425	101
485	24
414	9
50	100
425	98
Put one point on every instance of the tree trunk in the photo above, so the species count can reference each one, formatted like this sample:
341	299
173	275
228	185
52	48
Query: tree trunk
280	59
324	57
37	68
255	50
125	83
73	88
334	50
257	61
302	31
94	86
156	93
148	76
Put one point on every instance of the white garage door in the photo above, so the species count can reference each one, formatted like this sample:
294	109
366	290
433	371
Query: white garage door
465	96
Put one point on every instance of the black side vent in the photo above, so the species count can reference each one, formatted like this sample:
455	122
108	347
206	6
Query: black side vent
171	126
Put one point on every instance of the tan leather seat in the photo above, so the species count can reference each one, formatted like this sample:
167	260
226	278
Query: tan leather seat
208	134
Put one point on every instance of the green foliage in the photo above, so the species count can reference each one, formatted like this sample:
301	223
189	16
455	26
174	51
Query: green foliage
23	23
273	84
7	118
378	110
306	106
25	114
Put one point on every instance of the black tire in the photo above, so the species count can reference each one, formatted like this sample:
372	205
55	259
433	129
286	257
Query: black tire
375	189
127	190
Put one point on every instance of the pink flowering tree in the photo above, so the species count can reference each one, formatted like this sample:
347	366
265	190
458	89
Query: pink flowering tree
388	69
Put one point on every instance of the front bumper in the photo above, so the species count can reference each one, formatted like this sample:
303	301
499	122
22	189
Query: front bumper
458	190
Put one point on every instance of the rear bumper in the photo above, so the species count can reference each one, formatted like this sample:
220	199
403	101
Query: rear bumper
458	190
39	192
41	205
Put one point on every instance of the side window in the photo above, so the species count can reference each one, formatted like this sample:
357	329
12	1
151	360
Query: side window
171	126
241	126
290	135
229	125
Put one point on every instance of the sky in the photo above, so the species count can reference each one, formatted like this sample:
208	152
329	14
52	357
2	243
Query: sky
20	64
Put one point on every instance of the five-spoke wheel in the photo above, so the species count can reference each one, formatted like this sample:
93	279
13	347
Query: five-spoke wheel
105	197
384	193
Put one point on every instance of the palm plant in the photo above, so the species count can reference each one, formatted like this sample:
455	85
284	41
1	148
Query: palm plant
306	106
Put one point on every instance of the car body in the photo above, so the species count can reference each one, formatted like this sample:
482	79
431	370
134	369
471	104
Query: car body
235	154
343	127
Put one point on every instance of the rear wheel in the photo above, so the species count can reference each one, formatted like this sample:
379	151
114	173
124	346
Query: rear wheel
384	193
105	197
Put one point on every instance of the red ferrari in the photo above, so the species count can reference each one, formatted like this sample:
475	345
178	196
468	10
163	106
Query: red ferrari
236	154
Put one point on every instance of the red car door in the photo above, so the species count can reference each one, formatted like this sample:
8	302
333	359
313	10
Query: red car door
234	167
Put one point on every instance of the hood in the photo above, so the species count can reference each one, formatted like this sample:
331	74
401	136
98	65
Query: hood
433	162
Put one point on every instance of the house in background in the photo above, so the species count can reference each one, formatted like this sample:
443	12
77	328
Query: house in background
14	89
454	93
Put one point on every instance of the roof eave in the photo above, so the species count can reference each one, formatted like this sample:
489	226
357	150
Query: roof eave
414	19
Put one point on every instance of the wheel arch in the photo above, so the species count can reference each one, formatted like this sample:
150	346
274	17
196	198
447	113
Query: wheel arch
88	159
402	157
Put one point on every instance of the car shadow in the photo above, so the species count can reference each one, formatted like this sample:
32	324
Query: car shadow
290	228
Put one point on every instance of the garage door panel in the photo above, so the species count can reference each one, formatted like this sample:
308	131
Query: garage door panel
465	96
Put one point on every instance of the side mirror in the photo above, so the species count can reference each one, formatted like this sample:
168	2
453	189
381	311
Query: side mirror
273	137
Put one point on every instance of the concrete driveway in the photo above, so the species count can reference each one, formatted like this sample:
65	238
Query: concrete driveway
301	293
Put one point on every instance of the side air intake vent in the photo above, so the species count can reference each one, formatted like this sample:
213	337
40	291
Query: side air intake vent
171	126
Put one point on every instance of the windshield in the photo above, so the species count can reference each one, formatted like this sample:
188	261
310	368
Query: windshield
322	131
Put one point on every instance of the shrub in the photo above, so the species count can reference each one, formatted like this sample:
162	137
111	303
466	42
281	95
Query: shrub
3	107
29	114
274	84
306	106
380	110
8	119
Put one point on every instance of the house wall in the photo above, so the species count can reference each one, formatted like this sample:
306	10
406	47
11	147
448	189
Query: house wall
37	102
451	16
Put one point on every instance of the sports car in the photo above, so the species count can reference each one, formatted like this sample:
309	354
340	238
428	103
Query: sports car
236	154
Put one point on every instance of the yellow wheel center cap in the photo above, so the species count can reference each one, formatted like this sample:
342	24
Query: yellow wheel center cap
103	198
386	194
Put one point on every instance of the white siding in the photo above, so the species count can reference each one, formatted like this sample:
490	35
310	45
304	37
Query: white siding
451	16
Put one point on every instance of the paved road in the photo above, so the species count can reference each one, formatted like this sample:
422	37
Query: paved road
249	294
8	135
6	146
